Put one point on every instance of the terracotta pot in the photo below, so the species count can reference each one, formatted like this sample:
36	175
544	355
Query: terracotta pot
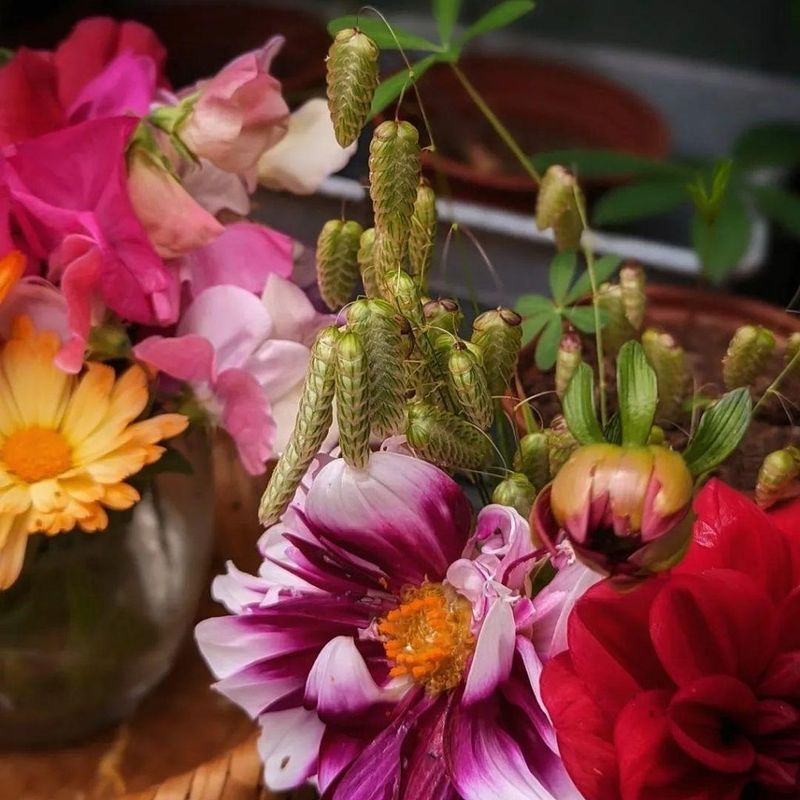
546	106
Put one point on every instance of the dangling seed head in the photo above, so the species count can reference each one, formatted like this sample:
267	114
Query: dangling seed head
559	204
337	261
532	458
617	329
313	420
568	359
444	314
394	175
423	234
352	78
366	263
668	361
561	445
498	335
467	382
517	492
748	353
777	476
634	300
352	399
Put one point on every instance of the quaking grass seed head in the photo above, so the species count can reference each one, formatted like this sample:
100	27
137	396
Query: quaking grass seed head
498	335
747	355
337	261
568	358
422	234
777	477
560	206
517	492
668	361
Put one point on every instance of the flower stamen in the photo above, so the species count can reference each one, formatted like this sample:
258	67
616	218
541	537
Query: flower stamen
35	454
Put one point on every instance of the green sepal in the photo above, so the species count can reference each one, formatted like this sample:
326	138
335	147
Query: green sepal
637	389
579	409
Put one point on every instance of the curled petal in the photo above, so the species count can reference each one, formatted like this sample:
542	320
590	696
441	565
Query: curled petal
289	747
494	653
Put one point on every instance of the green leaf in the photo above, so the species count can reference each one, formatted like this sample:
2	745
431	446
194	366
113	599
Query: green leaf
389	90
578	406
562	271
720	431
547	346
721	244
709	203
613	429
773	144
780	206
607	164
529	304
532	325
639	200
582	317
604	268
379	32
498	17
637	389
445	12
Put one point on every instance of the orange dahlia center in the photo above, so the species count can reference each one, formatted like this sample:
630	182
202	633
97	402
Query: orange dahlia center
35	454
428	636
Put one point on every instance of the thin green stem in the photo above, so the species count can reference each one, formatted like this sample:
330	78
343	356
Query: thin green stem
500	129
773	387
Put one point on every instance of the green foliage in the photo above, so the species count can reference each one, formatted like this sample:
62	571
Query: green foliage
579	409
637	389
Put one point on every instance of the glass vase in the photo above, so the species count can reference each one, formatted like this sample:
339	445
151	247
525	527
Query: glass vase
95	620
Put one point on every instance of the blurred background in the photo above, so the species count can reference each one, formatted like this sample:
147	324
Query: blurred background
700	87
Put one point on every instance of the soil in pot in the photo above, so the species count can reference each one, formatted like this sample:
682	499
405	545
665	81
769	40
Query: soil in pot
703	324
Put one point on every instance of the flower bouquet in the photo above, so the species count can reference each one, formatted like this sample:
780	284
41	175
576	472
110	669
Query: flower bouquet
501	591
131	315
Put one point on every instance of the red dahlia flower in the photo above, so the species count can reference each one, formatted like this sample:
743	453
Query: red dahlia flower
688	686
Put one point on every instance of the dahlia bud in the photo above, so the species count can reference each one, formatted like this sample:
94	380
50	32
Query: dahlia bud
617	329
423	233
559	206
747	356
467	383
777	476
515	491
668	361
353	399
619	507
352	79
533	458
393	177
443	314
366	263
634	301
337	261
498	335
567	360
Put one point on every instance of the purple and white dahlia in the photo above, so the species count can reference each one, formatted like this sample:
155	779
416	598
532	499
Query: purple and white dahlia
385	648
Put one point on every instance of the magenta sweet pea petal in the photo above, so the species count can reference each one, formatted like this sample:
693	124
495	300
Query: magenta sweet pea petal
494	653
289	746
187	358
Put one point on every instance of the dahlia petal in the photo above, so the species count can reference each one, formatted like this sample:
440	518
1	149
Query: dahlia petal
402	514
289	747
537	713
337	751
236	589
261	687
494	653
501	532
782	677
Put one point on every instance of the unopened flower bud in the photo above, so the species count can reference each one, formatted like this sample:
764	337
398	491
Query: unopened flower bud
619	507
617	329
567	360
634	300
517	492
352	78
353	399
559	205
423	234
467	382
777	477
337	261
668	361
748	353
533	459
498	335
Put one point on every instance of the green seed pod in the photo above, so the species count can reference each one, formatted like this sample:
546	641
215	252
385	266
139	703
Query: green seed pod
617	329
352	78
668	361
423	234
776	476
792	348
378	326
498	335
443	314
634	300
517	492
352	399
393	177
747	356
560	445
467	383
366	263
314	417
337	261
445	439
533	459
568	359
558	206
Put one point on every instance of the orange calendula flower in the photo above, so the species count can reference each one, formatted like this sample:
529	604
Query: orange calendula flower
67	443
12	266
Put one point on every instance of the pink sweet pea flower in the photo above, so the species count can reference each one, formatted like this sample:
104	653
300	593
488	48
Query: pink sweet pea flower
384	650
39	300
245	364
239	113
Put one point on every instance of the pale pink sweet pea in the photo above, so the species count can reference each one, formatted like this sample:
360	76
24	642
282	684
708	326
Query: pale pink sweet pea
239	113
41	301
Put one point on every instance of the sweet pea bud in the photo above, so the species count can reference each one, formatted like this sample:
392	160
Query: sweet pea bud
366	263
777	476
559	205
532	458
467	383
498	335
444	314
617	329
634	300
747	356
567	360
353	399
515	491
561	444
668	361
423	234
445	439
108	342
620	507
394	169
352	78
337	261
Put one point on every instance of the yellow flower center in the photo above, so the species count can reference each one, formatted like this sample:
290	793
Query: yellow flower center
35	454
428	636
